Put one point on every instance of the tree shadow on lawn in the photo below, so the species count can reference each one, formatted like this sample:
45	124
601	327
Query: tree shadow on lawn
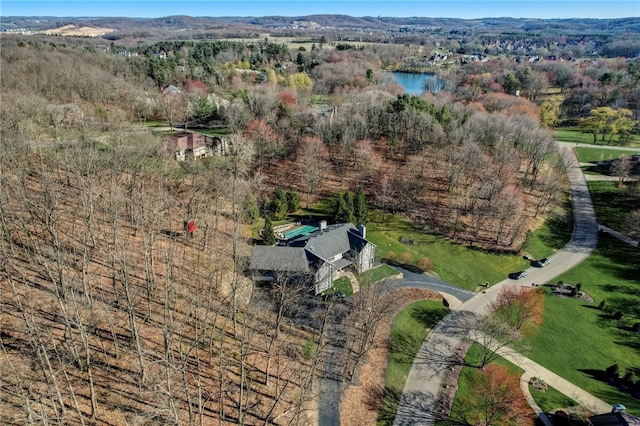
628	307
621	259
615	288
621	332
429	317
403	348
601	170
560	229
384	400
616	387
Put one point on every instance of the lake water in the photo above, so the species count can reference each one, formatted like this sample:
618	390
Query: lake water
413	83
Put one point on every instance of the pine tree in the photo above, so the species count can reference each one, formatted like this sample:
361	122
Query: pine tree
343	211
360	210
250	209
293	201
268	234
280	204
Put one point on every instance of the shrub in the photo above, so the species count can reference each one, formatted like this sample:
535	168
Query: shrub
405	258
602	305
617	315
425	264
309	349
636	327
579	287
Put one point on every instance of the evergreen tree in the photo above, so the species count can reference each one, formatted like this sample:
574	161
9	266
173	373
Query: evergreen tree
293	201
268	234
280	204
343	211
250	209
265	207
360	210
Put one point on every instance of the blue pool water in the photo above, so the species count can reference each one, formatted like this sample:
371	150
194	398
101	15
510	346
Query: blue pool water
303	230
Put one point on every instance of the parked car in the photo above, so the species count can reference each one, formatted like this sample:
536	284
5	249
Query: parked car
540	262
518	275
338	296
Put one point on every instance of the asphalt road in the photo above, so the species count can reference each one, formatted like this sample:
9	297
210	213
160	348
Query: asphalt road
419	404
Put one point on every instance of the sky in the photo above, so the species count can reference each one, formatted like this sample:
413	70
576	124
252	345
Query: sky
403	8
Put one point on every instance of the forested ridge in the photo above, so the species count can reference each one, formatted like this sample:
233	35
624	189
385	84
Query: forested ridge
113	314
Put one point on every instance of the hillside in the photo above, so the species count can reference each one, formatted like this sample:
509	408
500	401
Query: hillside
78	31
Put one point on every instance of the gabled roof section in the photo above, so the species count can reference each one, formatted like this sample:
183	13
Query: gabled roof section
279	259
328	242
355	239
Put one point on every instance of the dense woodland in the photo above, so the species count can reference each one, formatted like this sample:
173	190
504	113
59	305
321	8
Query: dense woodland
113	314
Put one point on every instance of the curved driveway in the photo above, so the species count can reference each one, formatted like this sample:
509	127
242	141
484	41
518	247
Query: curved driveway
419	402
415	280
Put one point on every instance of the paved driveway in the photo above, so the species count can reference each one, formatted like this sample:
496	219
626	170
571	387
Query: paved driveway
420	280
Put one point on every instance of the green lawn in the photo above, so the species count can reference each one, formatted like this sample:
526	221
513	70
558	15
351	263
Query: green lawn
551	400
376	274
554	233
409	329
578	341
591	155
610	203
341	284
577	135
454	263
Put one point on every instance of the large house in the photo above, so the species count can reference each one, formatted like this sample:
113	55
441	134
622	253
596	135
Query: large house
188	145
315	258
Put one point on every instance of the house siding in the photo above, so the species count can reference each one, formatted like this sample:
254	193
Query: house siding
324	277
365	260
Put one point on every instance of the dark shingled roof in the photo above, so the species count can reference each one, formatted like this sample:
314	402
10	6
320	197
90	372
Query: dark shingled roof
328	242
285	259
614	419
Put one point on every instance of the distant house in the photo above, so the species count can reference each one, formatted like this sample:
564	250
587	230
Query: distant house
194	146
170	90
315	258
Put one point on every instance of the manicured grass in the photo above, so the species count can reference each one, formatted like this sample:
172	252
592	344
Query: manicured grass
211	132
551	400
342	284
409	329
376	274
572	134
577	341
577	135
454	263
591	155
554	233
610	203
151	123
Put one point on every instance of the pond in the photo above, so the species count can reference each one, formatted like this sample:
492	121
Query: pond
413	83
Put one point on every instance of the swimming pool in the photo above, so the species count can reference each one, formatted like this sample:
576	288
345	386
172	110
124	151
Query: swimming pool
302	230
